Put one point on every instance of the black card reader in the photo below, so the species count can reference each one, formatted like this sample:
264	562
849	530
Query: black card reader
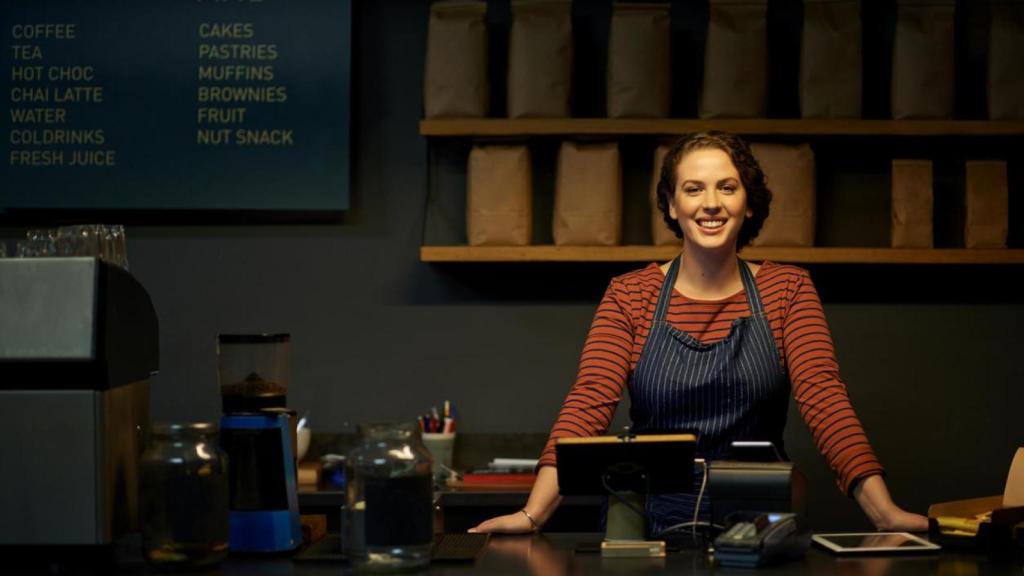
762	539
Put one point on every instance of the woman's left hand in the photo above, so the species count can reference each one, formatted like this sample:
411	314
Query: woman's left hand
873	497
899	520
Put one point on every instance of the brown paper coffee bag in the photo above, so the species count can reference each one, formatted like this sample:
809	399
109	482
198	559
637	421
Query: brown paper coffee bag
540	58
912	204
455	81
923	59
735	60
499	201
639	65
830	59
588	195
1005	54
988	205
789	171
661	234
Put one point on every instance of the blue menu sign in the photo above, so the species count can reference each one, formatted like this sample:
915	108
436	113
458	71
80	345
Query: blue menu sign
175	104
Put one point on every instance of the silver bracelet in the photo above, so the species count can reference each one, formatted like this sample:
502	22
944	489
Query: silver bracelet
533	521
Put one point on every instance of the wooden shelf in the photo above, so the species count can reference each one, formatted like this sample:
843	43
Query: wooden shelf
494	127
504	127
663	253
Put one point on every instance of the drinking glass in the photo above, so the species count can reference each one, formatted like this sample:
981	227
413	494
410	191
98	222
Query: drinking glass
29	249
114	242
44	241
80	240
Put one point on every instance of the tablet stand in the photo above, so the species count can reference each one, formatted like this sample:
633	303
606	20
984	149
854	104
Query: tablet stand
625	530
624	522
626	468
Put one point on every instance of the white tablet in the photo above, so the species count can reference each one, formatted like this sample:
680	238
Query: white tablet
874	543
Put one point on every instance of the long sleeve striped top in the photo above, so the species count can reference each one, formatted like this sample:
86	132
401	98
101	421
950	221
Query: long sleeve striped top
623	321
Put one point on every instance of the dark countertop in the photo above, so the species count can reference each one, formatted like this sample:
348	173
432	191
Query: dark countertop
556	555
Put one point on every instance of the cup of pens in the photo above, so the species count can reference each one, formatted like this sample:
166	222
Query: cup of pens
438	429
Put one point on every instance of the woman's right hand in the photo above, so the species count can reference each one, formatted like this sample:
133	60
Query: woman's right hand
515	523
541	505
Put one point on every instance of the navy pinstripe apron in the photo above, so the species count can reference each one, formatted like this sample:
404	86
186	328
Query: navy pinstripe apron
733	389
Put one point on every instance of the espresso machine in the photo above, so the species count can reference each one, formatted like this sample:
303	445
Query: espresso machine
258	435
78	345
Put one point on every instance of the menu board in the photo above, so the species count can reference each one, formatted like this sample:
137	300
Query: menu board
175	104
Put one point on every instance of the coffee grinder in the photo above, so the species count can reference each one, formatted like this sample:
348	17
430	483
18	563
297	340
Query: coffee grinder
258	435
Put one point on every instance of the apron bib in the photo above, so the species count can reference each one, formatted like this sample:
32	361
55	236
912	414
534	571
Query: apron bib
733	389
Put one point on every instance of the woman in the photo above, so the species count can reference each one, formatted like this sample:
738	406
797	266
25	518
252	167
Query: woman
711	343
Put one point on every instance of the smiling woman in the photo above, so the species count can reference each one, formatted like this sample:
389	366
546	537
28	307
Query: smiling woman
715	155
710	206
710	343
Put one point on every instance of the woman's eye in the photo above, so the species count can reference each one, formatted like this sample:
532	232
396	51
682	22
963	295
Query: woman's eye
728	189
691	190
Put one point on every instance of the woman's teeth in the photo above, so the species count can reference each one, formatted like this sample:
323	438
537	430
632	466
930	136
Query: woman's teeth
711	223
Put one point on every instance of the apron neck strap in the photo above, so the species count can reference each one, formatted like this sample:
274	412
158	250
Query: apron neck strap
749	285
666	289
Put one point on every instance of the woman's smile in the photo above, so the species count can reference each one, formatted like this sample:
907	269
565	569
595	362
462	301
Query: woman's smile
710	202
711	225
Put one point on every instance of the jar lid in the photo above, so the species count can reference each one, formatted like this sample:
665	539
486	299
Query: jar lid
400	429
171	428
254	338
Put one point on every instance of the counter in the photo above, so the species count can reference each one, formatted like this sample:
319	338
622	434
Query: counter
556	555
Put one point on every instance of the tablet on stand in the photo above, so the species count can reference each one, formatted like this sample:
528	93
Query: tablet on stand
626	468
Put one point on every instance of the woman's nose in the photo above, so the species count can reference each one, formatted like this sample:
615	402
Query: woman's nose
711	200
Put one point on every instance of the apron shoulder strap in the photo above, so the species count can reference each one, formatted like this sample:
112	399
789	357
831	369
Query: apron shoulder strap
750	286
666	290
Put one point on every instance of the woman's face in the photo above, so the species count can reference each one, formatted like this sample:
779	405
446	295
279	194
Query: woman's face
710	202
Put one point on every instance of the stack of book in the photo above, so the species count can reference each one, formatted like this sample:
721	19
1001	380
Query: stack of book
502	473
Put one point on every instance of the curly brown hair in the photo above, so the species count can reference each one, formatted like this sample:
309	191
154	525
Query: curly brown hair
759	197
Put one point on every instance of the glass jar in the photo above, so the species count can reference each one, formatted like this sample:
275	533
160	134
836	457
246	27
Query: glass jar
389	519
184	496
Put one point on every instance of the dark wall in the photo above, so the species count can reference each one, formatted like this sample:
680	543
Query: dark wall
930	353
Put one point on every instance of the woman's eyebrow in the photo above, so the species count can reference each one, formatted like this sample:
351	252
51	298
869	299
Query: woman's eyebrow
729	180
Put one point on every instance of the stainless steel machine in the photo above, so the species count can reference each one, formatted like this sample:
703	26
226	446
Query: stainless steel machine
78	345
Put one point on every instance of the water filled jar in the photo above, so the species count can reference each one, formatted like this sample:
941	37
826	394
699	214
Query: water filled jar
184	496
389	519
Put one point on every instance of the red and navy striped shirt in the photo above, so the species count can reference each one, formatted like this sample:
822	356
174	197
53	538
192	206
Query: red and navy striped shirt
802	337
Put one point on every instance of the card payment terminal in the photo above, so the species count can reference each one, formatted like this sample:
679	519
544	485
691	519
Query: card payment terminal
763	539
